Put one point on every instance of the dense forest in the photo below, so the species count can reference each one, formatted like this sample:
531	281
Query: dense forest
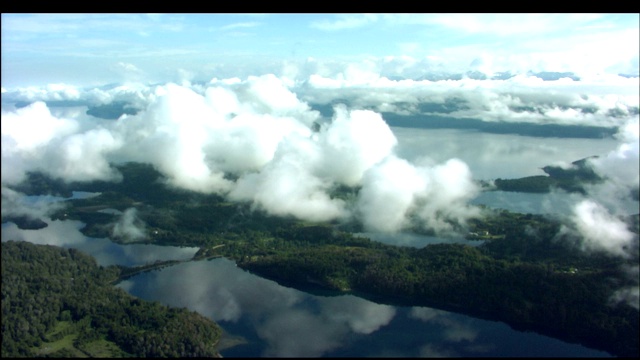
59	303
571	179
510	280
514	268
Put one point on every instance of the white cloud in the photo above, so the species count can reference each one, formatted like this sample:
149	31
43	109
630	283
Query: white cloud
26	135
129	227
388	193
240	25
510	24
629	295
354	142
259	129
395	193
287	185
82	157
16	204
622	165
128	71
345	21
601	231
32	127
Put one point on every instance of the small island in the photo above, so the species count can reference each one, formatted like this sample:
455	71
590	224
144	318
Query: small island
570	179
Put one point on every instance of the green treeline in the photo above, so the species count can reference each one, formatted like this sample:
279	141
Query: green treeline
58	302
571	179
508	279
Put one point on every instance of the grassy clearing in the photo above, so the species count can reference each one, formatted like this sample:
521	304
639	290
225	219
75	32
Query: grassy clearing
65	342
65	333
102	348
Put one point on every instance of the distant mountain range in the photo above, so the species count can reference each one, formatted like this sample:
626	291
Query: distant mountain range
504	75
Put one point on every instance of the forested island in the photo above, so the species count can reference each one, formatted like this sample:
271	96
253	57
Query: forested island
573	178
515	267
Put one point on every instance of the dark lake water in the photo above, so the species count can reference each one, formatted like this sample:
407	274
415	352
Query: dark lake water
265	319
558	202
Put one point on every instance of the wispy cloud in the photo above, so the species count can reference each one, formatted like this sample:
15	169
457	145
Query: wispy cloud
241	25
23	24
343	22
500	24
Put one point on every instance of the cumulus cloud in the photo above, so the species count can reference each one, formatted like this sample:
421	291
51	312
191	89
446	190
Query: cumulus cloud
50	92
260	130
288	186
17	204
129	227
597	215
354	142
172	133
342	22
602	231
31	127
388	193
396	193
251	140
194	138
81	157
629	295
269	94
402	85
34	140
128	71
621	166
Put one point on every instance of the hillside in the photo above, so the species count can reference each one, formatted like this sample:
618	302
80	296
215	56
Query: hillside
59	303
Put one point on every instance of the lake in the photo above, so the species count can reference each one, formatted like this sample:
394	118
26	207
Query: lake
264	319
558	202
492	156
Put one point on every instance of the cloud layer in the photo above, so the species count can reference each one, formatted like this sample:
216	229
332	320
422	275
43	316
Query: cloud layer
285	157
260	140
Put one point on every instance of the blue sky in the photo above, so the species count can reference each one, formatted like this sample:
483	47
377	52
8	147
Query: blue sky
90	49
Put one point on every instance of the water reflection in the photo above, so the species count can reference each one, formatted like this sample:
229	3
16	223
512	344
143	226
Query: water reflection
66	233
36	199
556	202
530	203
277	321
492	156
